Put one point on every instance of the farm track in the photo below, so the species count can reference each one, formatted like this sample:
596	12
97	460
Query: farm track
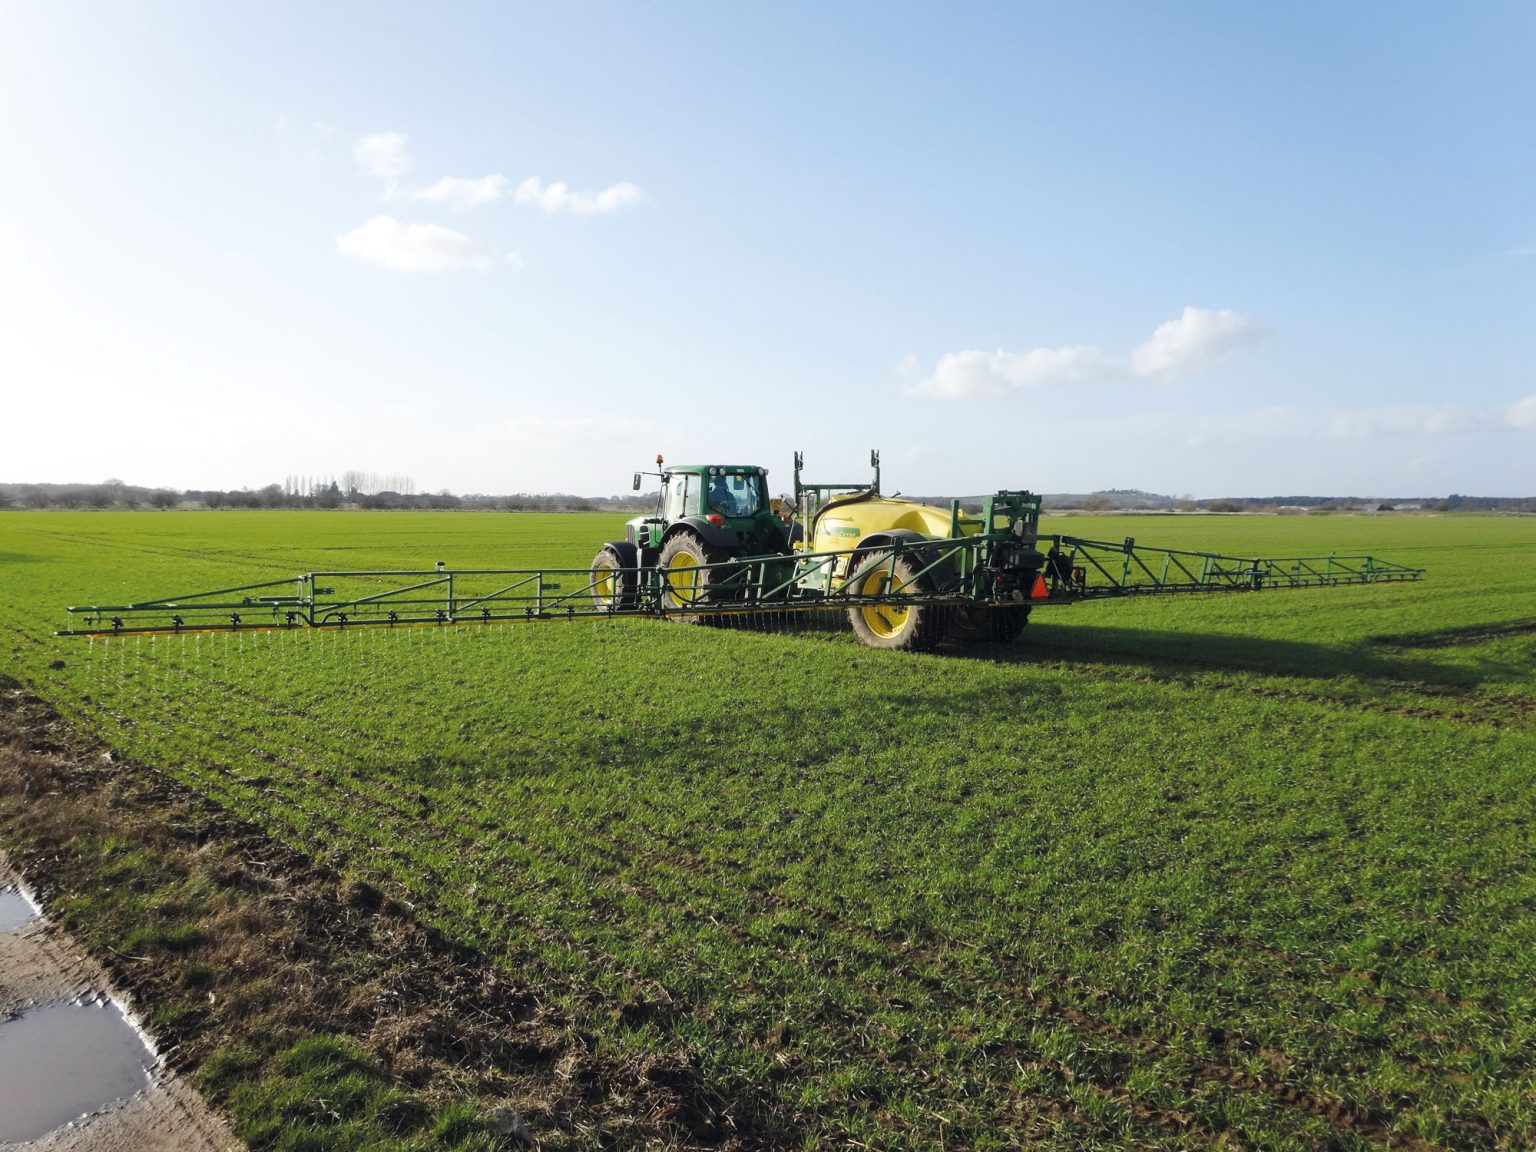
1338	1114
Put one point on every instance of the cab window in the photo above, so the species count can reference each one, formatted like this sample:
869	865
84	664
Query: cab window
736	493
682	496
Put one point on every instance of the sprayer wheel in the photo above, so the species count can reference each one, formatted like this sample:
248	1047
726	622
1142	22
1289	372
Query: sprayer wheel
892	624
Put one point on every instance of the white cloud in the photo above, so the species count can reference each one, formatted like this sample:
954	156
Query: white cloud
1197	339
385	242
1522	250
1522	413
463	193
556	197
384	154
1000	373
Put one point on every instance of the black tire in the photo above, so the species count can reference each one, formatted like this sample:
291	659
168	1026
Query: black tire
685	588
989	625
613	585
908	628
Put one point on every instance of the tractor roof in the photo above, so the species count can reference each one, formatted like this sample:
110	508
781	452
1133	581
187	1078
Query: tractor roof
721	467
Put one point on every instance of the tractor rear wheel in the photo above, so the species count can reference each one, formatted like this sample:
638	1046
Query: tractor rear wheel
682	588
989	625
893	624
613	585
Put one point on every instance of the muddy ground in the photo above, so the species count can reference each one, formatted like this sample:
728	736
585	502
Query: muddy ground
40	963
232	947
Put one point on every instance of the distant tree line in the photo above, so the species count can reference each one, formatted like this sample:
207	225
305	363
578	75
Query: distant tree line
354	491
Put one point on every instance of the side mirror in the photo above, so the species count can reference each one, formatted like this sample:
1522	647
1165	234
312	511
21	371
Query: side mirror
637	481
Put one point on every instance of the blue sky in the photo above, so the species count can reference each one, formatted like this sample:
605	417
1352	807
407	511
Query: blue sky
1194	248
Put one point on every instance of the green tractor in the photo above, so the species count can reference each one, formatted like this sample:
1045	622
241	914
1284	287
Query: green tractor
708	514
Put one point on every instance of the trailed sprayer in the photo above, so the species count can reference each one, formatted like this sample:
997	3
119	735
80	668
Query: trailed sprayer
717	549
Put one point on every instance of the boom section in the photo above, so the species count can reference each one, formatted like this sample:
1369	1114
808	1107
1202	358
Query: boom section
1100	568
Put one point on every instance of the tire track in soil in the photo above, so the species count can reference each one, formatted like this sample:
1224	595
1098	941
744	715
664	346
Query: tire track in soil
1470	708
1280	959
1339	1114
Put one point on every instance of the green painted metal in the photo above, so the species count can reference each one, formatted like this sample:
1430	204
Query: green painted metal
810	497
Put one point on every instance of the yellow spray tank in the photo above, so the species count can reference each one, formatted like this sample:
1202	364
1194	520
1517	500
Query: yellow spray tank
842	523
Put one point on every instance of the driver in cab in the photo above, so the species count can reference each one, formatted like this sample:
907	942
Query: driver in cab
720	498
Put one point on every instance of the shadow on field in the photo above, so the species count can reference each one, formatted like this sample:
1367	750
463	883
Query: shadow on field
1160	651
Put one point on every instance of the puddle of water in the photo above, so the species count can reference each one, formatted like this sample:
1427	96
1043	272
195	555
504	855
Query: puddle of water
15	910
63	1061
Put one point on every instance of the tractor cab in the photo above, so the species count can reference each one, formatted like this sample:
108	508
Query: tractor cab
735	493
725	506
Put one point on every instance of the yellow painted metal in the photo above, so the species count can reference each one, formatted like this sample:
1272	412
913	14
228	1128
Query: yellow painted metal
844	525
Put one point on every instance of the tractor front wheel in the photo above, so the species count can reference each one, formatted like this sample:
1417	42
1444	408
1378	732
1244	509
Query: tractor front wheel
684	583
892	623
613	585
